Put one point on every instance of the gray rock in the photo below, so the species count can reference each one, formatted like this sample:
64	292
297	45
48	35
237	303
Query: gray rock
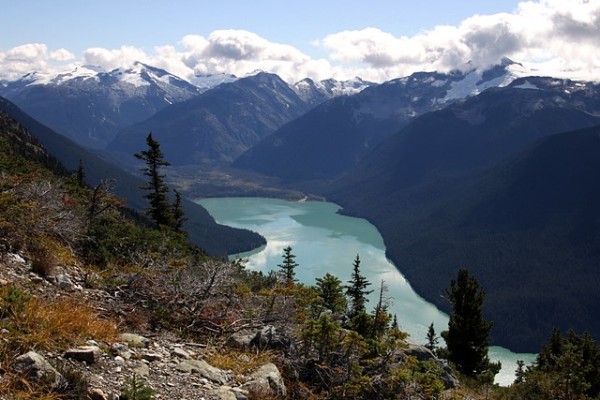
240	340
240	394
181	353
16	258
97	394
222	393
142	370
204	369
64	282
135	340
36	279
37	368
267	379
121	349
422	353
89	354
267	337
151	357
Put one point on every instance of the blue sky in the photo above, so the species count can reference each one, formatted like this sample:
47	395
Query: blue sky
78	25
378	40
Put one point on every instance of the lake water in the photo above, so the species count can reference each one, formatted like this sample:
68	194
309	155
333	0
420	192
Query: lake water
324	241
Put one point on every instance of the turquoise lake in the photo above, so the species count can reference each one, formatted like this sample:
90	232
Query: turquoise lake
327	242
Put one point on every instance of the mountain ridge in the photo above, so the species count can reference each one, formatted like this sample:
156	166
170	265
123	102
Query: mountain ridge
331	138
421	174
217	240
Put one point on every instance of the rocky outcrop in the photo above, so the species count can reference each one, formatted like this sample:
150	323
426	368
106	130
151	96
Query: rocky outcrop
205	370
38	369
267	380
422	353
266	337
87	354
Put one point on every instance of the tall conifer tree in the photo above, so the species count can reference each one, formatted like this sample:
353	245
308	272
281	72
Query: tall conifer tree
468	332
288	266
159	210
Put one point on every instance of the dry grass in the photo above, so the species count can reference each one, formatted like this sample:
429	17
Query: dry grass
55	324
35	324
240	362
63	323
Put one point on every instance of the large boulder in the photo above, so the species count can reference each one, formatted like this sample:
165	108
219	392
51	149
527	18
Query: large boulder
267	337
135	340
205	370
38	369
422	353
266	380
87	354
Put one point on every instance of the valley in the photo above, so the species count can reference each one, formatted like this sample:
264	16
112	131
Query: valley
441	163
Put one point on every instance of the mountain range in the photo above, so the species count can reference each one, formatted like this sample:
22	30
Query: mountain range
335	135
494	170
439	191
91	105
220	124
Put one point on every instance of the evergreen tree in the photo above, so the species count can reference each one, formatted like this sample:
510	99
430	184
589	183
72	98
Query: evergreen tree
331	295
178	213
288	266
467	336
395	322
357	291
567	367
432	339
160	209
81	174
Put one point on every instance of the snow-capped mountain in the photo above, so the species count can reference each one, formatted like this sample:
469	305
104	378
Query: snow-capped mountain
90	105
350	126
317	92
206	82
218	125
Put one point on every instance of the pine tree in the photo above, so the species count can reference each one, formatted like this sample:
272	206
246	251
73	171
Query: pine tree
395	324
331	295
467	337
357	291
160	209
178	213
432	339
288	266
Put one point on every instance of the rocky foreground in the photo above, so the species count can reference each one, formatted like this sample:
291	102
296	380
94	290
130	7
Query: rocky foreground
162	362
158	364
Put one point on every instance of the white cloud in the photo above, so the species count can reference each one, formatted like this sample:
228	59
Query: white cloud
240	52
22	59
62	55
556	37
122	57
554	34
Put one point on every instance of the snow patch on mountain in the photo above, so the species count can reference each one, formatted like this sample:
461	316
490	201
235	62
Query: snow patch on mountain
315	92
526	85
206	82
476	81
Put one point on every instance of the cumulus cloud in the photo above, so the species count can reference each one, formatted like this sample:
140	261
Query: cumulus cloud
554	37
240	52
62	55
547	34
122	57
22	59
